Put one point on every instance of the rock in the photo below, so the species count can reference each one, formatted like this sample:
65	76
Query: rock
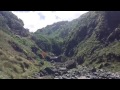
63	72
71	64
88	76
62	68
101	66
57	74
37	74
106	64
64	77
101	70
82	73
43	73
77	73
59	59
52	61
67	75
56	78
60	77
50	70
93	70
76	77
72	77
96	73
82	77
80	60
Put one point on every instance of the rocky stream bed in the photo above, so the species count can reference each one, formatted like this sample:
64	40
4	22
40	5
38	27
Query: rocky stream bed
82	72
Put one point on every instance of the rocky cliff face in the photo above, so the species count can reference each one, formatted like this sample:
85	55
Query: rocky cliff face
96	38
12	23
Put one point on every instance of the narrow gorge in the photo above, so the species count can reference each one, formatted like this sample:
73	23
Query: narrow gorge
85	48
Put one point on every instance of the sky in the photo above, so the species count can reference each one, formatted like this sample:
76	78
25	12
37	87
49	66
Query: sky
34	20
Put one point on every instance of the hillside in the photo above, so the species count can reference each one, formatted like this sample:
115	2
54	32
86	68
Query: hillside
95	41
19	55
90	41
55	35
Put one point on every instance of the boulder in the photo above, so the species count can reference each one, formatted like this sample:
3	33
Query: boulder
48	71
70	64
93	70
101	66
106	64
62	68
43	73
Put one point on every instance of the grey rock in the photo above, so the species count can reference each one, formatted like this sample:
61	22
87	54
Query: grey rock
62	68
71	64
56	74
93	70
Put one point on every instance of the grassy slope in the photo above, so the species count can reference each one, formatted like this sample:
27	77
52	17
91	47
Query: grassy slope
14	64
84	42
19	55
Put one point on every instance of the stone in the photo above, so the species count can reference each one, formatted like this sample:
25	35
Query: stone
60	77
71	64
93	70
101	66
64	77
50	70
57	74
67	75
43	73
63	69
82	77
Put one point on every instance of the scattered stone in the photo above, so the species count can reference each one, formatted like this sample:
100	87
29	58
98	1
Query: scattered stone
76	73
71	64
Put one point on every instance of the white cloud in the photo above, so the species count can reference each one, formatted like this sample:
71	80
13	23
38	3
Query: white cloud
39	19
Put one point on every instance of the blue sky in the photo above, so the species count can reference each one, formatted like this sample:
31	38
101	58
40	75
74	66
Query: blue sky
34	20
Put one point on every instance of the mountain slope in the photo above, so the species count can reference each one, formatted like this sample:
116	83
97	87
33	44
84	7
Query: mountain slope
10	22
55	35
19	55
92	39
95	41
52	31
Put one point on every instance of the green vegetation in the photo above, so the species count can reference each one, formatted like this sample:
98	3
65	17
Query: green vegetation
92	40
96	40
48	44
15	66
19	55
51	38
